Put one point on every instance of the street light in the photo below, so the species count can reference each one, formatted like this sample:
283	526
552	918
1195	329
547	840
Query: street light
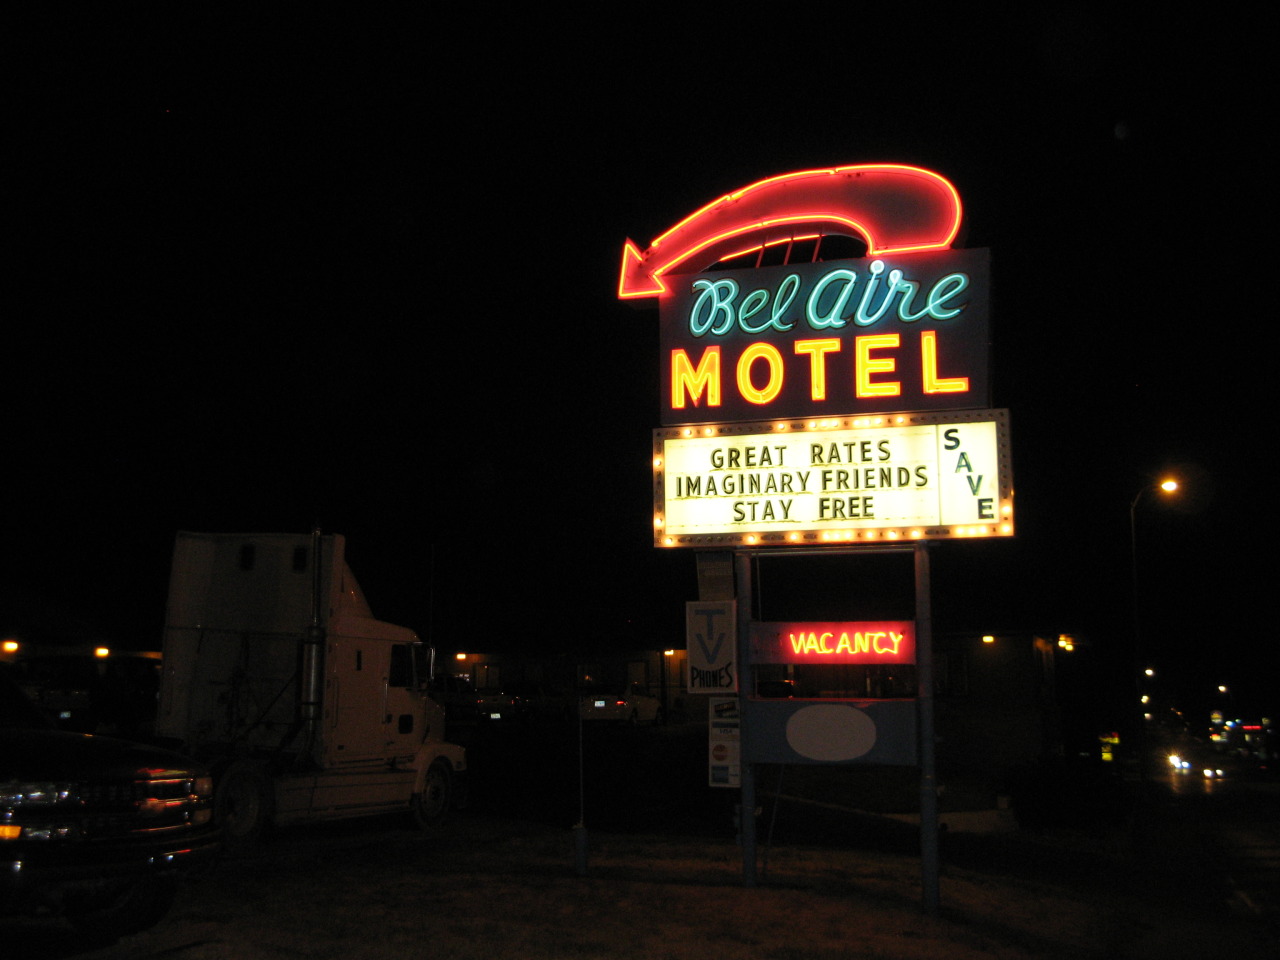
1167	486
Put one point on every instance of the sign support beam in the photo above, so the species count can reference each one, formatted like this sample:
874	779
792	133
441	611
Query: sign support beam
747	811
745	599
924	706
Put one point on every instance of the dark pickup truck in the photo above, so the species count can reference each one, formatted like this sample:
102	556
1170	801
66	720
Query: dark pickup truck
92	828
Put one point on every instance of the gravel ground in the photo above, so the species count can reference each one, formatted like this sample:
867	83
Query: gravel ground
664	876
490	888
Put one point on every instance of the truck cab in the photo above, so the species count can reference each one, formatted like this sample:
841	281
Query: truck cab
306	706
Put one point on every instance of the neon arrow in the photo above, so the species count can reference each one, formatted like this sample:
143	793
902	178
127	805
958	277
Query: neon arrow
895	208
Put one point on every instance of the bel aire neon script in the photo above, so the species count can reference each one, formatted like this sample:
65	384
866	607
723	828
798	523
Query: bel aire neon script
842	337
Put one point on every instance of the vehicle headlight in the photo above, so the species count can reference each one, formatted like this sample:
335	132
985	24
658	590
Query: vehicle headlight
36	831
16	793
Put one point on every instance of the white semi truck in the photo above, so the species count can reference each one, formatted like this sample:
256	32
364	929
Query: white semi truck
305	707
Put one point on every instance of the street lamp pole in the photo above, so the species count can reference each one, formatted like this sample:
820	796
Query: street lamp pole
1167	486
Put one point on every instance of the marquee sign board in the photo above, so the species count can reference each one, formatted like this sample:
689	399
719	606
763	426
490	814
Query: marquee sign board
837	481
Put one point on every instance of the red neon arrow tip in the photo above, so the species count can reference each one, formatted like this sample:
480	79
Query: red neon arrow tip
635	280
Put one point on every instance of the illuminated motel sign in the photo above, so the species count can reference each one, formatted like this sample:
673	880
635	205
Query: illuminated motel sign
832	404
783	388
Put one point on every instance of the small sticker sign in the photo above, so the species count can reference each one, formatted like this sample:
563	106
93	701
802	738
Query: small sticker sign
724	764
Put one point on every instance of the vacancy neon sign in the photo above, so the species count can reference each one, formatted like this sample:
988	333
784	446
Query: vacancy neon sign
893	207
851	642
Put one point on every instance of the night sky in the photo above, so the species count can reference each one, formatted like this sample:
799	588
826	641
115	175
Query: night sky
279	269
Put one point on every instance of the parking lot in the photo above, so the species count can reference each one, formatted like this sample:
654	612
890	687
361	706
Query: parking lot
614	776
663	877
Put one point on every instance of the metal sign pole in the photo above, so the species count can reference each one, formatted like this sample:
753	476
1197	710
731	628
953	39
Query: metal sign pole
924	706
747	812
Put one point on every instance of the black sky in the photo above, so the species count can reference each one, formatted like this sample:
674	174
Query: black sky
357	268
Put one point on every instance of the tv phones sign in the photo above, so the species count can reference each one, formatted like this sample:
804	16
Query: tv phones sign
711	637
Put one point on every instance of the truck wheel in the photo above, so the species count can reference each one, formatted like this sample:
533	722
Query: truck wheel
242	806
432	805
120	911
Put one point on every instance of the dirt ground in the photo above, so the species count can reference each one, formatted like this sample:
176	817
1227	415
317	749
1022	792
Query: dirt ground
489	887
663	877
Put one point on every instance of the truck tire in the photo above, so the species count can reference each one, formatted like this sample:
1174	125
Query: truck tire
431	806
122	910
243	804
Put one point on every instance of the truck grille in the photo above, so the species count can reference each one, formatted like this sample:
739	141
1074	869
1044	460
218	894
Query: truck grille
102	810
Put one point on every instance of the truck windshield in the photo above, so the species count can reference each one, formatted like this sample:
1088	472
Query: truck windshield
16	711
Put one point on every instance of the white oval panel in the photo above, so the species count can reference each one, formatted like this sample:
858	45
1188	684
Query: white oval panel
831	732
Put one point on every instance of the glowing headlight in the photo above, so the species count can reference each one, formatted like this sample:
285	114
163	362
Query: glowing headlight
38	831
17	794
